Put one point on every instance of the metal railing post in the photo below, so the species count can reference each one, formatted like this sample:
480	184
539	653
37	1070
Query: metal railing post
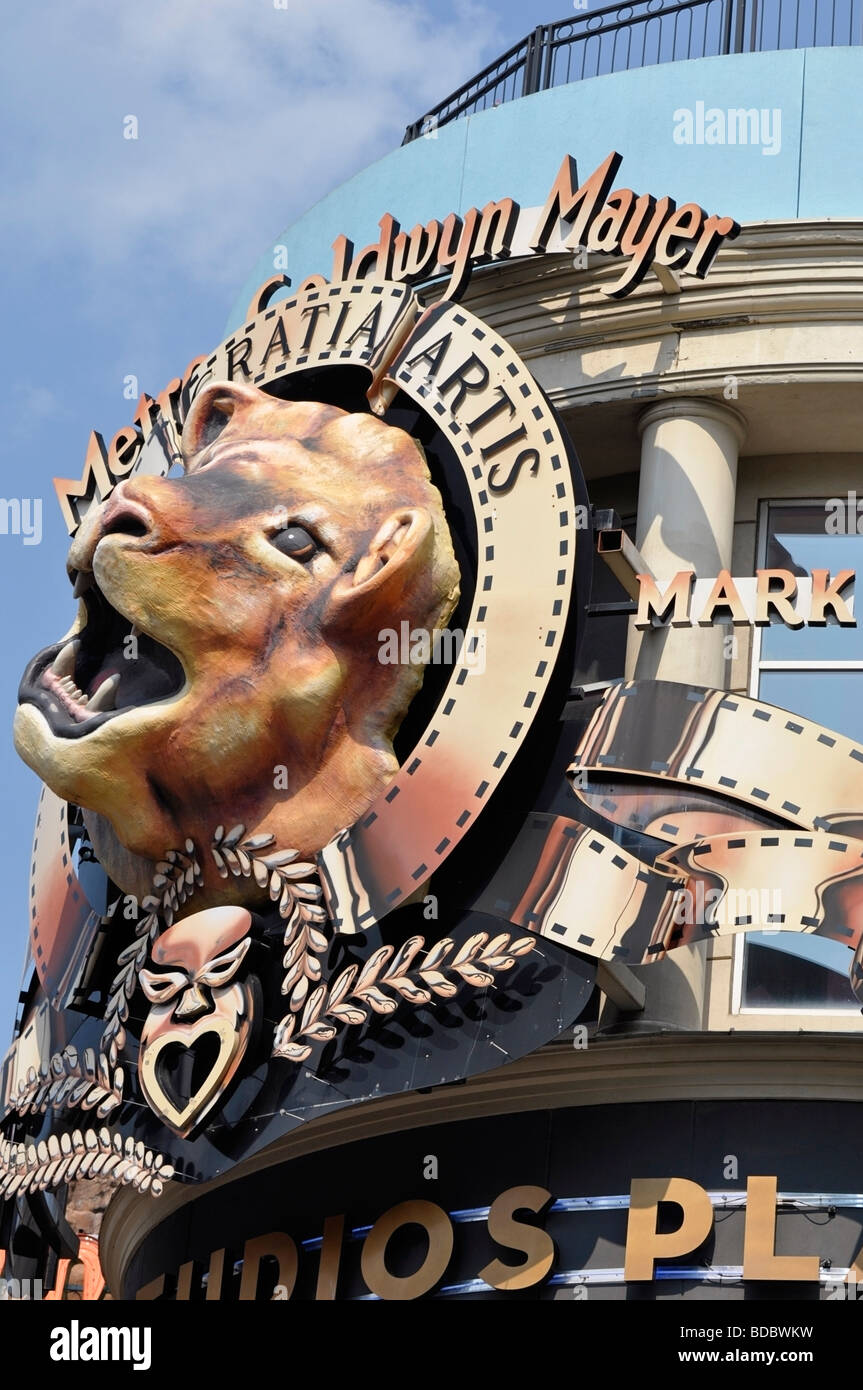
533	61
739	26
753	27
546	54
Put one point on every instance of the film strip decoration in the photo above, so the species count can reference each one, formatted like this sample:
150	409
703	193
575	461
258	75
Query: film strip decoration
516	466
62	924
360	324
732	798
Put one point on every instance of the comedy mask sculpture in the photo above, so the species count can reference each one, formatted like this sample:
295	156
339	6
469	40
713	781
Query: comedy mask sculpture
224	666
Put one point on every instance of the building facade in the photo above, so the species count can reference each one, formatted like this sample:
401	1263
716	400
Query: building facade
716	421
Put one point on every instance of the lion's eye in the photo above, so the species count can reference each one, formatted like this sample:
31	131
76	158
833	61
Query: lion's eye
295	542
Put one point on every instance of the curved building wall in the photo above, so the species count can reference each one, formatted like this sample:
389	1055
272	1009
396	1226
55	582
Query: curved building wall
515	151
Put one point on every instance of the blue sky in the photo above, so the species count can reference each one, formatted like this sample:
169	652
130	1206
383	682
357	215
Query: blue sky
122	257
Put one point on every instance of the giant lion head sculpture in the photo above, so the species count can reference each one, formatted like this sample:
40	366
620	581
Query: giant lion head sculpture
224	665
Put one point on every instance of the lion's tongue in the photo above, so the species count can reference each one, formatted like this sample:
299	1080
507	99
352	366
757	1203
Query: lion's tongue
149	675
109	669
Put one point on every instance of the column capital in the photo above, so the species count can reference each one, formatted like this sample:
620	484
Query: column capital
694	408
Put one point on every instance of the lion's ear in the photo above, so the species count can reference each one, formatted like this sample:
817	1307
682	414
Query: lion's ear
211	411
392	565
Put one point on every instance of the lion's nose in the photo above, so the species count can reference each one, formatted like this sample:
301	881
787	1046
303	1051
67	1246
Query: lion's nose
124	514
127	519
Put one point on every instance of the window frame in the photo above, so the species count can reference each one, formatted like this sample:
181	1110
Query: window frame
756	666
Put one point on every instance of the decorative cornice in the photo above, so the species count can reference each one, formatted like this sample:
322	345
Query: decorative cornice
805	275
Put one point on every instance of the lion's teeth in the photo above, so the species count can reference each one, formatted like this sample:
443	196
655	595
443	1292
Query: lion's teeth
82	583
72	691
64	662
104	697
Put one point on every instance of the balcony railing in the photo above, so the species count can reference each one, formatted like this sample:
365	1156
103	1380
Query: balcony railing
618	37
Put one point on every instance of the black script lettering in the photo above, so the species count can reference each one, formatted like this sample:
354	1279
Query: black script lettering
368	329
278	343
234	361
527	456
461	379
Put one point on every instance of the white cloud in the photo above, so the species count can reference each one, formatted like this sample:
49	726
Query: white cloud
246	114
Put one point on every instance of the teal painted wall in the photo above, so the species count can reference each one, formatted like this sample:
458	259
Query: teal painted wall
515	150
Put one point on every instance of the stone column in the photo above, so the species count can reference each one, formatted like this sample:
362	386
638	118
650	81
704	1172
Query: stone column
689	451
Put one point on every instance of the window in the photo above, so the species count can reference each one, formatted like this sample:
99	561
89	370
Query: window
816	672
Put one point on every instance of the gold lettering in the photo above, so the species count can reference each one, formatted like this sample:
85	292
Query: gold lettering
184	1282
605	233
260	300
343	255
123	451
376	260
644	1243
536	1244
498	222
713	233
639	241
780	600
415	252
684	224
826	594
215	1277
281	1248
724	595
438	1228
331	1254
456	248
577	206
759	1239
651	603
94	481
154	1289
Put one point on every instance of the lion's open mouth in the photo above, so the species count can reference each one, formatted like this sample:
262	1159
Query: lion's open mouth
108	667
